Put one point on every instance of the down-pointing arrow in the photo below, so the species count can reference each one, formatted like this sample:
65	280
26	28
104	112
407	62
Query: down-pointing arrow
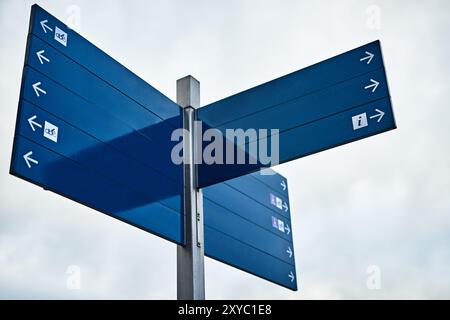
27	157
34	123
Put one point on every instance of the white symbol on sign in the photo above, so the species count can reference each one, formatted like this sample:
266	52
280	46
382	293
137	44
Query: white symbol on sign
44	26
279	203
28	159
273	200
286	227
42	58
51	131
281	226
372	86
369	57
274	222
61	36
283	185
37	89
359	121
291	276
289	252
33	123
285	207
378	115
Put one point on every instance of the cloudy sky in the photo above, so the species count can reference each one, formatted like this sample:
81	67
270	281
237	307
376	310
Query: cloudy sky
380	204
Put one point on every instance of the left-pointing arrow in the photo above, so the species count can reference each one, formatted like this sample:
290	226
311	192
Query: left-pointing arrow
42	58
45	26
34	123
28	159
37	89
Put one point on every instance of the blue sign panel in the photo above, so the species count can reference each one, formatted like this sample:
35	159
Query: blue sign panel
91	130
248	226
337	101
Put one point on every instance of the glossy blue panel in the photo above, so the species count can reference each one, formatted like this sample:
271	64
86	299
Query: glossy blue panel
102	65
301	106
99	157
72	180
231	251
92	131
99	122
294	85
244	229
293	113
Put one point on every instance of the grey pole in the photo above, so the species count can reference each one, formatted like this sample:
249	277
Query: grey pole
190	258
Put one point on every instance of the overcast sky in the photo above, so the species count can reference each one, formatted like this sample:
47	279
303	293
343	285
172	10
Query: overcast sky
382	201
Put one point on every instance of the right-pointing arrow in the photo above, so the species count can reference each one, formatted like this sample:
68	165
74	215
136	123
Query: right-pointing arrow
37	89
42	58
369	56
291	276
283	185
378	115
285	206
34	123
289	252
27	157
372	86
287	229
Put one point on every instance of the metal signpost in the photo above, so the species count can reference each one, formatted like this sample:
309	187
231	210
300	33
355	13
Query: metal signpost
90	130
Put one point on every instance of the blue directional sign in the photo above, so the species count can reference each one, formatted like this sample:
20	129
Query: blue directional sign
337	101
248	226
91	130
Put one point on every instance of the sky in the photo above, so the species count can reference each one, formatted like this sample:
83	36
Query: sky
371	219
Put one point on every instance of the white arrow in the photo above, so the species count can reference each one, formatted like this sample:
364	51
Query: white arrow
40	55
369	57
285	206
291	276
28	159
379	115
286	227
37	89
289	252
44	26
33	123
374	85
283	185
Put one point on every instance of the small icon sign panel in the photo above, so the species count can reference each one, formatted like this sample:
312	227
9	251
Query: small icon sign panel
51	131
359	121
61	36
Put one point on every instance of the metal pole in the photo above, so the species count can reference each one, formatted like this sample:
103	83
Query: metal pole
190	257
